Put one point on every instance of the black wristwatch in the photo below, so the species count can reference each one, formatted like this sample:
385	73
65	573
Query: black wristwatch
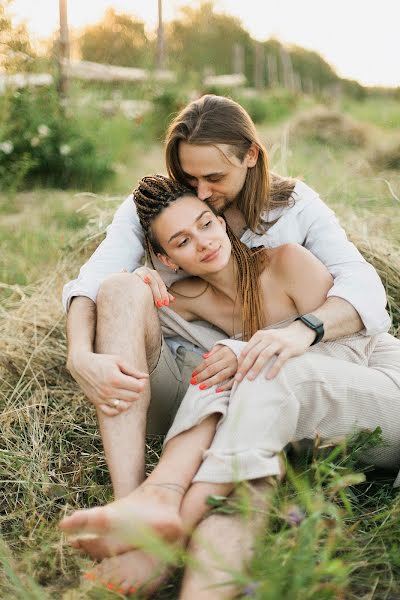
315	324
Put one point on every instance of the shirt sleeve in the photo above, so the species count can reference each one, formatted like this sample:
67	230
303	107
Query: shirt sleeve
122	249
317	228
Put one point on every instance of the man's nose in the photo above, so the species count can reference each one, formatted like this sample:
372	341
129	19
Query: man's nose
203	190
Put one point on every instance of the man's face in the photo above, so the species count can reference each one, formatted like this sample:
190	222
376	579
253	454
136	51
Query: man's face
215	172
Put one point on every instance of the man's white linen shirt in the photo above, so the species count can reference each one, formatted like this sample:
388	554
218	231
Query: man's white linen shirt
307	220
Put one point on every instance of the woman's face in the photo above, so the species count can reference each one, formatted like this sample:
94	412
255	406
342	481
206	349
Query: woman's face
193	237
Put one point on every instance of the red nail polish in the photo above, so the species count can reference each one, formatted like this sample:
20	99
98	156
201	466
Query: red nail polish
147	279
202	386
89	576
194	374
206	355
166	302
159	303
219	390
193	381
132	590
110	586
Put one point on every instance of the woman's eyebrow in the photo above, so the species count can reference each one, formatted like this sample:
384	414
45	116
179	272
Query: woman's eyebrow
178	233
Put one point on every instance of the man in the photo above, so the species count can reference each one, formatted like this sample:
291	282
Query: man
115	343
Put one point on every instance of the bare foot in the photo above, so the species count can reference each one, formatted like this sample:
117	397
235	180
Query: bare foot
129	520
100	547
130	572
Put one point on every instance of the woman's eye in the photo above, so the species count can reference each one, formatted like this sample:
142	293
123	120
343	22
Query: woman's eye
182	243
207	224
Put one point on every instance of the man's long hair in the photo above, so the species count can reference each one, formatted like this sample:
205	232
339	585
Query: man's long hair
215	120
155	193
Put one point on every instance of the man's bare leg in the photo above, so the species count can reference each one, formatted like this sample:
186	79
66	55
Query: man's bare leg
221	546
127	325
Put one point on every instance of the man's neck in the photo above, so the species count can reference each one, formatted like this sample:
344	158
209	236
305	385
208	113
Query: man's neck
236	221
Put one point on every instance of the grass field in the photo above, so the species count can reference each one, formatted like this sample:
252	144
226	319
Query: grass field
333	531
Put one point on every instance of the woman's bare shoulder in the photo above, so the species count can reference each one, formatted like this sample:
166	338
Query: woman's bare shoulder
288	258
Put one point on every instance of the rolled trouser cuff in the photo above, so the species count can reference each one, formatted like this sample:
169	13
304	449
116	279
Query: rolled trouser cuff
236	466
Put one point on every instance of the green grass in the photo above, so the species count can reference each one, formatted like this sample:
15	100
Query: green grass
330	535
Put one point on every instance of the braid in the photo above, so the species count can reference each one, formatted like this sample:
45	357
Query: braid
153	194
250	262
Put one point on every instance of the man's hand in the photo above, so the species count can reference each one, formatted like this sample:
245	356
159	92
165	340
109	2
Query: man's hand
218	366
161	295
108	381
282	343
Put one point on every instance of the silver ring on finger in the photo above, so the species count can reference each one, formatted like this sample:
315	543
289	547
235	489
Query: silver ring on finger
115	403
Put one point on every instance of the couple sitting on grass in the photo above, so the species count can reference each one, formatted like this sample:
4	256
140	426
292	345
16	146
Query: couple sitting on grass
293	339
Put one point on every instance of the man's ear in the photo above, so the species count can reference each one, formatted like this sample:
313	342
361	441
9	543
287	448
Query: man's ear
252	155
167	261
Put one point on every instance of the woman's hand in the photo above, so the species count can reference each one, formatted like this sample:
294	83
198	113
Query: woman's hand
218	366
293	340
160	293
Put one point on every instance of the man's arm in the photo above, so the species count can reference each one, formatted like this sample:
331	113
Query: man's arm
357	292
339	317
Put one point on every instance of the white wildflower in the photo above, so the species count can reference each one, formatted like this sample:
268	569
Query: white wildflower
65	150
35	141
43	130
7	147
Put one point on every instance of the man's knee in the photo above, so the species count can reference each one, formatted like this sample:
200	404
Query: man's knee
124	287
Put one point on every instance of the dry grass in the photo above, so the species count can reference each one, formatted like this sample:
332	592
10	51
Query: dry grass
327	126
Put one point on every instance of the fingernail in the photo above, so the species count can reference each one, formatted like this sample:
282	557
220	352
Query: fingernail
159	303
202	386
172	298
166	302
206	355
219	390
194	374
89	576
110	586
193	381
147	279
132	590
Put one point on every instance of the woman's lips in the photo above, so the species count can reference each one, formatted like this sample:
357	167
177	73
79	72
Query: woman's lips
211	256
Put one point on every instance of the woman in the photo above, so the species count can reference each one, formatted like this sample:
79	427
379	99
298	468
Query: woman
241	292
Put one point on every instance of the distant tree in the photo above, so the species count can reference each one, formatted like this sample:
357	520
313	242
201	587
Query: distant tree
310	65
202	39
118	39
16	53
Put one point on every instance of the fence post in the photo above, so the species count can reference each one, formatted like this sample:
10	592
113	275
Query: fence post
63	51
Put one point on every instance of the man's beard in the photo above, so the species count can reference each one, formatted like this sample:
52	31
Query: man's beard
226	203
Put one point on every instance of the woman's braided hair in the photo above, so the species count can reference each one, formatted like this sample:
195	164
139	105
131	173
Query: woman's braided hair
155	193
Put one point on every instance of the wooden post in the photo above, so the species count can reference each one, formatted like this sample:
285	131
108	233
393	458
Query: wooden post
238	58
63	52
258	65
160	38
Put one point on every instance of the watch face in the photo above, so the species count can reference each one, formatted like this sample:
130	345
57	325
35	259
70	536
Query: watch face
314	321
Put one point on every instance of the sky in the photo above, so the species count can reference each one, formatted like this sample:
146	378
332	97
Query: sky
359	38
